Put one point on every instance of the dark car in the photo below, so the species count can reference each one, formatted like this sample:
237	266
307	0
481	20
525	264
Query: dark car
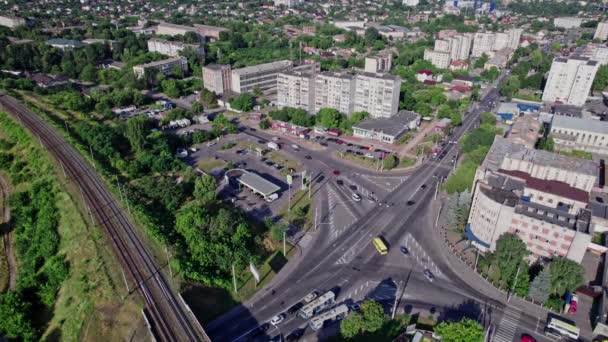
295	335
353	187
423	186
323	144
410	202
404	250
259	330
295	308
340	182
307	157
336	172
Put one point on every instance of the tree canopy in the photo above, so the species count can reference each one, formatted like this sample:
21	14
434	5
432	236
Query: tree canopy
466	330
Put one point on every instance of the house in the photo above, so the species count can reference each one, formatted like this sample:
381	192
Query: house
387	130
46	81
424	75
463	80
443	125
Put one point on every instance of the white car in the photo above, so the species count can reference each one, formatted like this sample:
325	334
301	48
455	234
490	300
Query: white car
277	319
193	149
311	296
275	138
356	197
211	143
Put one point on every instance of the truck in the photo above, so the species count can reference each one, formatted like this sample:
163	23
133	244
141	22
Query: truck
273	146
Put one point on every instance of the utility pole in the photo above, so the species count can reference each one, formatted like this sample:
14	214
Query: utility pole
284	244
316	213
234	279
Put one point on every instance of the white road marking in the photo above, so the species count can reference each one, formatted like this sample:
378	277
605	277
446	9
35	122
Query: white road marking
507	326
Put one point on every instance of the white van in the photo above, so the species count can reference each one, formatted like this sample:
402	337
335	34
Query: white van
272	198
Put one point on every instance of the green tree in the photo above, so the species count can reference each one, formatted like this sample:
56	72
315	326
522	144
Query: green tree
481	61
204	188
329	118
136	132
277	230
488	118
389	161
508	256
264	124
243	102
352	325
371	35
456	119
466	330
171	88
257	91
547	144
14	322
540	287
536	58
88	73
510	87
444	111
600	82
373	315
566	275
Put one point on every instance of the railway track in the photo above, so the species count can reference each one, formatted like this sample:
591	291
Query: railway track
168	315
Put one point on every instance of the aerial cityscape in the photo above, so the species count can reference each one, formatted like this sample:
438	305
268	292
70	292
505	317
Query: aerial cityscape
304	170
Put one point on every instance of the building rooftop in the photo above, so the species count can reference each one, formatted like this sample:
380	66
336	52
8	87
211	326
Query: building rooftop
379	75
554	187
176	26
508	107
263	67
215	66
172	42
161	62
393	126
589	125
64	42
258	183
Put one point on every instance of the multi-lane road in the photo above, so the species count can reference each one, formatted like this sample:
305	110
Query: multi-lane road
169	317
349	264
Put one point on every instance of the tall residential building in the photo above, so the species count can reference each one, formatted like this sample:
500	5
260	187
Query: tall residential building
540	196
442	45
11	21
483	42
263	76
567	22
601	32
595	52
296	89
165	67
570	80
437	58
334	90
377	94
571	133
460	46
217	78
171	48
382	62
514	36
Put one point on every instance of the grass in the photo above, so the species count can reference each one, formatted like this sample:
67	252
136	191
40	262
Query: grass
406	162
3	268
577	154
301	201
209	165
228	146
405	138
527	96
287	163
88	305
359	160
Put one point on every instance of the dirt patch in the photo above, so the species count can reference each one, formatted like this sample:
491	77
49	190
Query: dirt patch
8	262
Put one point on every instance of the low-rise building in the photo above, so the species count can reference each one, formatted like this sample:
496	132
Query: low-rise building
64	44
171	48
12	21
165	67
567	22
601	32
217	78
507	110
571	133
387	130
525	130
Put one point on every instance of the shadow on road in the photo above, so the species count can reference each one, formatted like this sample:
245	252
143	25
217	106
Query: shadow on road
468	309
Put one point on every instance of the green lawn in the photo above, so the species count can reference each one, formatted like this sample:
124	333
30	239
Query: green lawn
209	165
228	146
359	160
406	162
279	158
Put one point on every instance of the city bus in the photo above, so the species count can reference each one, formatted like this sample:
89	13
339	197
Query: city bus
320	303
561	327
380	245
334	314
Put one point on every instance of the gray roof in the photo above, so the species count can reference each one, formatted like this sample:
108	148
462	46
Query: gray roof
161	62
258	183
263	67
393	126
502	148
216	66
592	126
378	75
64	42
508	108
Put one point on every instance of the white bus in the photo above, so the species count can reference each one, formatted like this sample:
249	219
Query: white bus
562	327
334	314
320	303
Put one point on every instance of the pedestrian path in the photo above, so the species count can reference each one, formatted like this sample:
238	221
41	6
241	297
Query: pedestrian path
507	325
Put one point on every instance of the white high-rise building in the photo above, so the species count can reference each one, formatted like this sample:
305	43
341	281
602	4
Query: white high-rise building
437	58
296	89
411	3
333	90
460	46
382	62
442	45
514	38
570	80
501	41
483	43
601	32
377	94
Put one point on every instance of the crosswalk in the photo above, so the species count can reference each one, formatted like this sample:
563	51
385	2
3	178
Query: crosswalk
507	325
389	183
418	253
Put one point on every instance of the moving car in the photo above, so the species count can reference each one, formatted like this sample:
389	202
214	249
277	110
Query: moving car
527	338
380	245
311	296
573	304
295	335
295	308
356	197
404	250
307	157
336	172
428	274
340	182
410	202
277	319
211	143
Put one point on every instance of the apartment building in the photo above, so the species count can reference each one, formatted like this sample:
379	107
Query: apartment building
437	58
296	89
209	32
382	62
264	76
567	22
165	67
601	32
12	21
287	3
538	195
334	90
204	31
377	94
488	42
460	46
572	133
483	42
217	78
570	80
171	48
595	52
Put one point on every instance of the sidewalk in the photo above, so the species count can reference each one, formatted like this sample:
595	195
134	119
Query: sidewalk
406	150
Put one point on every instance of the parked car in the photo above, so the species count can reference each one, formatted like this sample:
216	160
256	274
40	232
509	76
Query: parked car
211	143
295	308
527	338
295	335
336	172
277	319
275	138
311	296
355	307
340	182
356	197
307	157
404	250
573	304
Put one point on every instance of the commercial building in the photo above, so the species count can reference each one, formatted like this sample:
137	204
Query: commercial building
165	67
437	58
571	133
570	80
253	181
382	62
334	90
171	48
217	78
377	94
601	32
567	22
296	89
538	195
12	21
387	130
263	76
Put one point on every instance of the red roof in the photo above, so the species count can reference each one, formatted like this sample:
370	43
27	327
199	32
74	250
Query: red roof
549	186
426	72
429	82
461	88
